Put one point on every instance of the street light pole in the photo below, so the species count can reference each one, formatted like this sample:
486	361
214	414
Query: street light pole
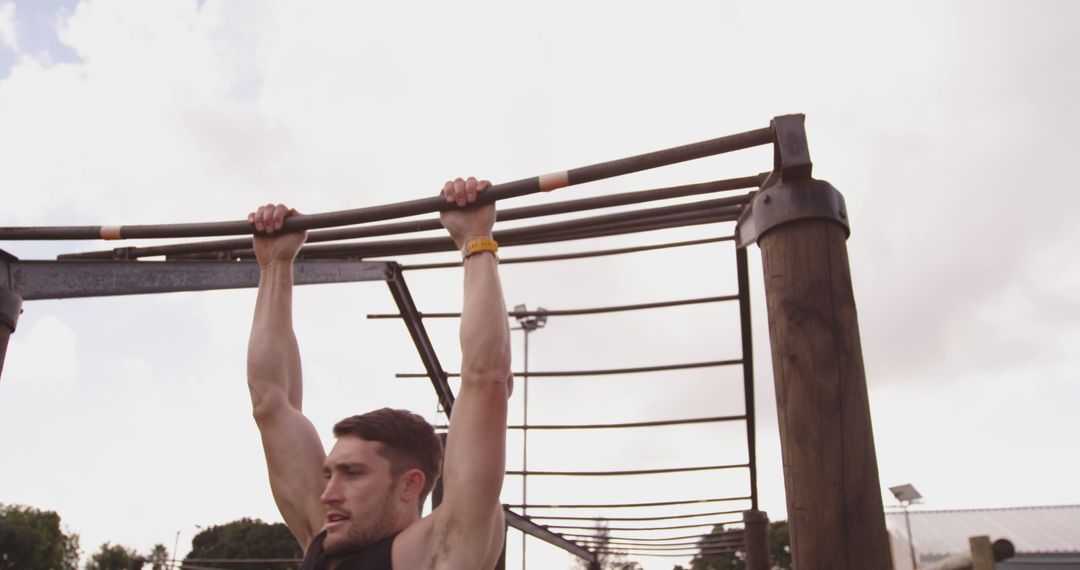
907	495
529	322
911	541
176	544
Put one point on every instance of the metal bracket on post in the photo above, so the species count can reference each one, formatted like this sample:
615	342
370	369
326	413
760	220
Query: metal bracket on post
789	193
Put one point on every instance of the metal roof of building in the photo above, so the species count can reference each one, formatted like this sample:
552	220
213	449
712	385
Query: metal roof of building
1051	529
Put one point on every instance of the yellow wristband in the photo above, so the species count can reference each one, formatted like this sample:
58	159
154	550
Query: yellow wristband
476	245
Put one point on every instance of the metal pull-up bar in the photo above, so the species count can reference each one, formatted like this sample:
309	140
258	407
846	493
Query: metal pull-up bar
411	226
523	187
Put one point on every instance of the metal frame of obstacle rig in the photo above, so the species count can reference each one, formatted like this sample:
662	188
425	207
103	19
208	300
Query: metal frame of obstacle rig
800	224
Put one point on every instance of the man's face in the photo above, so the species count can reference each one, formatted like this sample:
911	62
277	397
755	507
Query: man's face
359	496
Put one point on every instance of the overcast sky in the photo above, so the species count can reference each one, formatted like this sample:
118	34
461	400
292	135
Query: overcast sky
948	126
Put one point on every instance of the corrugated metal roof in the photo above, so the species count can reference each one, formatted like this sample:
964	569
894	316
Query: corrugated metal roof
1053	529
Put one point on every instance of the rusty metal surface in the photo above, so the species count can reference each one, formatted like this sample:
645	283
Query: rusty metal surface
787	202
789	193
35	280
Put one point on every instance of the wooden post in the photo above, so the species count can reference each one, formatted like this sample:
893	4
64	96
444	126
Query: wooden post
982	553
830	469
10	307
756	534
982	556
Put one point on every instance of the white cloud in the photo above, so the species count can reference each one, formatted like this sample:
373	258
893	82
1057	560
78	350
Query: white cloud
934	128
41	354
8	31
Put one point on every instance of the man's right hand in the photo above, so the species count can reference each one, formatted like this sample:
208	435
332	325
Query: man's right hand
271	248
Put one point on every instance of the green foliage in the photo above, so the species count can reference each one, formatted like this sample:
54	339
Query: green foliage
159	556
780	545
116	557
246	538
32	540
779	552
608	560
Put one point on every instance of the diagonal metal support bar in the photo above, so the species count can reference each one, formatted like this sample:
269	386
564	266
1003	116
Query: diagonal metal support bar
413	321
543	533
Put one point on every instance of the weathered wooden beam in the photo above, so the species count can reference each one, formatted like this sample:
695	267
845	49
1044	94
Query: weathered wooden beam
830	468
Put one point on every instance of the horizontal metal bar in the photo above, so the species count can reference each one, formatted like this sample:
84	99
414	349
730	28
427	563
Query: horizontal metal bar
412	226
734	539
643	529
576	312
630	539
658	555
629	505
575	255
706	542
622	425
35	280
414	207
531	473
296	561
559	374
543	533
663	518
595	226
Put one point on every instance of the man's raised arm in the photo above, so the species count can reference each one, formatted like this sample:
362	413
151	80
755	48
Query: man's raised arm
294	453
472	518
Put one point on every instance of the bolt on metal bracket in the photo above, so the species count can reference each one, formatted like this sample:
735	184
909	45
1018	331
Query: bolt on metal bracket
787	202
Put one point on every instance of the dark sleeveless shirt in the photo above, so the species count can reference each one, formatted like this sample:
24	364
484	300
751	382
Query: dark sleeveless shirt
374	557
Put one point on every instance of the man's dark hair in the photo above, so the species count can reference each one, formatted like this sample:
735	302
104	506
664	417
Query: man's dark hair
409	441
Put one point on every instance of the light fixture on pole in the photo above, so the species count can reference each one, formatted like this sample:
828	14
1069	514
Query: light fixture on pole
907	495
528	321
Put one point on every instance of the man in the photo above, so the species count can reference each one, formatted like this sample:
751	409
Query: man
358	508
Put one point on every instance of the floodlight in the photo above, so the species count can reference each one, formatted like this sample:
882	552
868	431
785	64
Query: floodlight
906	493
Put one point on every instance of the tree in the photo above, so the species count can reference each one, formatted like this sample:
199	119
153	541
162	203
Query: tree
159	556
30	538
116	557
246	539
779	551
608	559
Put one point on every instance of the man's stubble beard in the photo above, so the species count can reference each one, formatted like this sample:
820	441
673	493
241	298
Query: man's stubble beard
376	528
